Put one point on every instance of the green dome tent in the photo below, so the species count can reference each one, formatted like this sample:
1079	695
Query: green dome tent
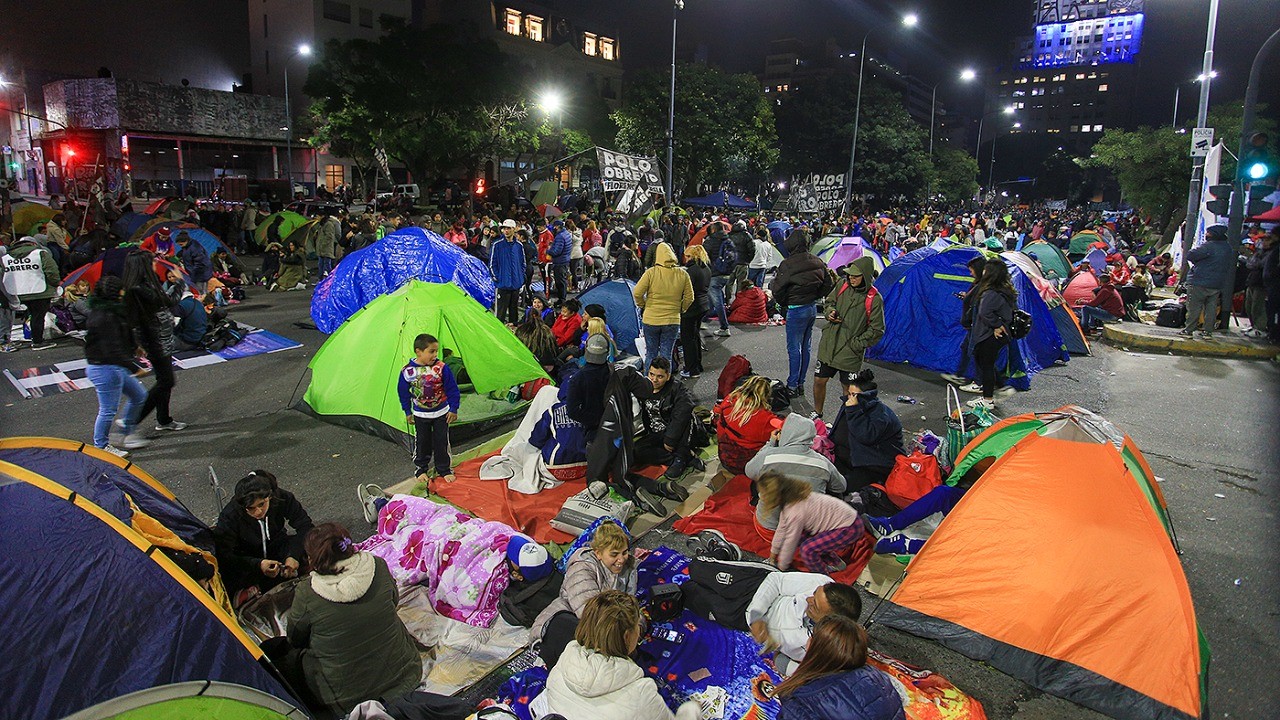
1053	262
354	374
193	699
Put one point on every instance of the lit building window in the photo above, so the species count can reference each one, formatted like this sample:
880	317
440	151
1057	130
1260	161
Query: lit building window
608	48
513	22
334	175
1098	128
1102	87
533	27
589	44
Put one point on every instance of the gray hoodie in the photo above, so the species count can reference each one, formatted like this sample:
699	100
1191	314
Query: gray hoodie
792	454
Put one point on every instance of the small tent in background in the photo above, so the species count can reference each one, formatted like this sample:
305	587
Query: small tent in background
353	375
29	216
848	250
289	221
621	314
1053	263
922	317
1097	259
1059	567
404	255
720	199
127	224
111	262
94	605
1079	290
1066	320
206	239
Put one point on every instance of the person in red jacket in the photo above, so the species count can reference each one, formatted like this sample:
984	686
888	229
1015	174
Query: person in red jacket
744	423
1106	305
748	306
567	327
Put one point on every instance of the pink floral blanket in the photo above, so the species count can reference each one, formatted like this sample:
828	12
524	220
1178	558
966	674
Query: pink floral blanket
457	558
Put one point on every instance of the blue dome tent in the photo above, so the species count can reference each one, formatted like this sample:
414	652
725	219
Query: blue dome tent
381	268
622	315
922	316
720	199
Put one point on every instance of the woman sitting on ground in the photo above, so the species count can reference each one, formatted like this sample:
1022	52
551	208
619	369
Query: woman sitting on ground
606	564
596	679
536	336
834	681
814	526
293	269
255	552
346	642
749	305
744	423
867	434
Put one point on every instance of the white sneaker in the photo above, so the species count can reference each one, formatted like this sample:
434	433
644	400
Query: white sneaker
8	347
972	387
1006	391
115	450
954	379
173	425
982	403
722	332
135	442
44	346
366	493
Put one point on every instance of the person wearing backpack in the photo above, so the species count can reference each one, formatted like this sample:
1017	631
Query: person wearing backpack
855	322
995	299
723	253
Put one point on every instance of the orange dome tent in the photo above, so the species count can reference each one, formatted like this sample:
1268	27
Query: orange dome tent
1059	567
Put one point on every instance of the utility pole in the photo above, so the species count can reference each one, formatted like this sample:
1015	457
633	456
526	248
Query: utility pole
1190	225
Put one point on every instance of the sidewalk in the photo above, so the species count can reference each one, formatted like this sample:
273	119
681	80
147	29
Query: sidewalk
1153	338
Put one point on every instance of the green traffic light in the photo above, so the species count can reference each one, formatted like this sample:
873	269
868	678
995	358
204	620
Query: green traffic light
1258	171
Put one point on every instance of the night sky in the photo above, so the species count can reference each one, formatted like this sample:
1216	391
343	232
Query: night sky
952	34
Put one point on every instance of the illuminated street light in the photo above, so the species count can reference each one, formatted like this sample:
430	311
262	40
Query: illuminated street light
304	50
968	75
551	101
910	20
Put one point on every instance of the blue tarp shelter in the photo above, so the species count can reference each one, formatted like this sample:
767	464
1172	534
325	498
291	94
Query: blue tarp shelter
621	314
92	608
404	255
720	199
922	317
778	231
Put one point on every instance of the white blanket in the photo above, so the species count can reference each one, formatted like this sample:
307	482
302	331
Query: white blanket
520	463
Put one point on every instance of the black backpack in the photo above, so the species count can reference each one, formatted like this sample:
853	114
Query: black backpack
225	334
726	258
1021	325
1172	315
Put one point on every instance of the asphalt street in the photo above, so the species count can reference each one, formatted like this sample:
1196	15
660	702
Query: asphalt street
1203	425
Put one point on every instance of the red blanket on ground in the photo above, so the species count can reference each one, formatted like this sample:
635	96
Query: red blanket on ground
492	500
730	512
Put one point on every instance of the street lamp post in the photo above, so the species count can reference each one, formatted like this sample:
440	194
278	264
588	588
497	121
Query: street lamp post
676	7
303	50
1177	93
977	149
991	166
1189	226
909	20
966	75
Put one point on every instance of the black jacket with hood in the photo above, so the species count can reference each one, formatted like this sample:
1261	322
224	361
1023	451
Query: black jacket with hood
802	278
242	542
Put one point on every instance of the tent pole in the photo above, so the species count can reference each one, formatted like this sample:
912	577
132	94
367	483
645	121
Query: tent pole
876	609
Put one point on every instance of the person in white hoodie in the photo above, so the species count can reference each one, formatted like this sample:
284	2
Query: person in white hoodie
764	259
596	679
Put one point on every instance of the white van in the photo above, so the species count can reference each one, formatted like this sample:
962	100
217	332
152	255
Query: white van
409	191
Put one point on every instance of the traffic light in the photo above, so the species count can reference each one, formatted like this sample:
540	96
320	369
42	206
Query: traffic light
1258	203
480	187
1257	163
1221	202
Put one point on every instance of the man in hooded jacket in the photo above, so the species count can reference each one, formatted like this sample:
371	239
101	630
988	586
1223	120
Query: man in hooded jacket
790	452
801	280
855	322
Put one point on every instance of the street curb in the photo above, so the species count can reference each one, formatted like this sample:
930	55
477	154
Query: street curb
1117	336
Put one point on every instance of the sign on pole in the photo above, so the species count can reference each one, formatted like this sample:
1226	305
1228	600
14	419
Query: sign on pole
817	193
623	172
1201	141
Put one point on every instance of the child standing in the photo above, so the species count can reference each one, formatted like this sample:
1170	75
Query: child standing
430	398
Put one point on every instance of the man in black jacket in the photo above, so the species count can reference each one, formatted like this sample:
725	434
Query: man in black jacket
801	281
716	237
667	417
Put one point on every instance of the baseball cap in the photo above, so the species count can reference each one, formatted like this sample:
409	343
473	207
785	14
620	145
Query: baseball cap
597	352
532	559
509	223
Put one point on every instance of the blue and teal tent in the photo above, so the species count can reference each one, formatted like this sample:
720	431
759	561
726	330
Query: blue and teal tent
383	267
93	606
922	316
621	314
127	224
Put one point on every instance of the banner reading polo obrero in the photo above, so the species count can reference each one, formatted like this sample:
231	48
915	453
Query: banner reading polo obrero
817	193
619	171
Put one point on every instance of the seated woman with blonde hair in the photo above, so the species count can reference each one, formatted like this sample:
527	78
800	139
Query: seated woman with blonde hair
834	681
596	679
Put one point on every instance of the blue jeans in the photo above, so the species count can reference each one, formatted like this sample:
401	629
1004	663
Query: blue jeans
716	291
110	381
1092	317
799	341
659	341
756	276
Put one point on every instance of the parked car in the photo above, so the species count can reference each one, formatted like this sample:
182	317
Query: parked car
314	208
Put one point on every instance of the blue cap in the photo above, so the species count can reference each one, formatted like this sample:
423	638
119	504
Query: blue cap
533	560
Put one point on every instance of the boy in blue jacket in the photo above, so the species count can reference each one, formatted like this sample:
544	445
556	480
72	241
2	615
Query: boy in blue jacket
430	398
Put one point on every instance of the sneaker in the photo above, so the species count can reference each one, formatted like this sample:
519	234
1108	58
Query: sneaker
366	494
673	490
44	346
597	489
879	526
1185	333
723	332
676	469
972	387
115	450
135	442
686	374
650	503
1206	335
273	287
986	403
898	544
1006	391
8	347
954	379
172	425
715	545
119	423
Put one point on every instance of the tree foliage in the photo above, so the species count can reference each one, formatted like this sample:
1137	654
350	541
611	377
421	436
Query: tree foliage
815	128
955	174
724	124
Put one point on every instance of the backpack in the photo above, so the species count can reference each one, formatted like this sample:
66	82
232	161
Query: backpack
871	294
735	369
1172	315
912	477
726	258
223	335
1021	325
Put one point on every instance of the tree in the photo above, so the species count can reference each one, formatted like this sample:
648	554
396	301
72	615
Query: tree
724	124
815	128
1061	177
955	174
